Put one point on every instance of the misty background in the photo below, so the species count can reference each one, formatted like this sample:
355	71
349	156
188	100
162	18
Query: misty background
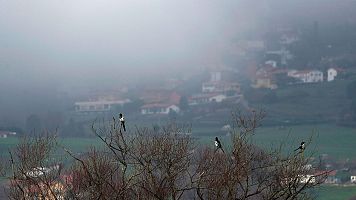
51	50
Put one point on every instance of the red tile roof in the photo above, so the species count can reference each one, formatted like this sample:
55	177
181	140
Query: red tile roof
324	172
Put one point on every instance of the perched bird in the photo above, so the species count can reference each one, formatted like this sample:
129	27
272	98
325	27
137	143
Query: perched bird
301	147
218	145
122	121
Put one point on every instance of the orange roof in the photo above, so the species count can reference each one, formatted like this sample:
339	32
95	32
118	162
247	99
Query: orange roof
303	72
174	98
324	172
161	96
306	71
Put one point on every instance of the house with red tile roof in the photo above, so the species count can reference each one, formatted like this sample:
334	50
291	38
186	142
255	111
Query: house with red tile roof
266	77
5	134
160	102
99	105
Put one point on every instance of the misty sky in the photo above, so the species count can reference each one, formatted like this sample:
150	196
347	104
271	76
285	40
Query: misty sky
77	40
72	38
45	44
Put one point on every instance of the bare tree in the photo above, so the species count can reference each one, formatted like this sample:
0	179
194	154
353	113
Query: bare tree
247	172
33	169
97	176
163	165
2	166
167	164
143	165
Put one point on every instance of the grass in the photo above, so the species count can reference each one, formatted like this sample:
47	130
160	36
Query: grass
336	192
337	142
302	103
73	144
6	144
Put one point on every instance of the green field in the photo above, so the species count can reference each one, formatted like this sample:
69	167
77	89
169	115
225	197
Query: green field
73	144
335	192
303	103
337	142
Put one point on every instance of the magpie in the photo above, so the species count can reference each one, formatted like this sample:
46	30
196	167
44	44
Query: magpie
218	145
122	121
301	147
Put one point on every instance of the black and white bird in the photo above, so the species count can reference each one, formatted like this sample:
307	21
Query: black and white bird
218	145
122	121
301	147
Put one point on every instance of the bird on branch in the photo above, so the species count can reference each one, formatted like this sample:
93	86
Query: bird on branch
218	145
122	121
301	148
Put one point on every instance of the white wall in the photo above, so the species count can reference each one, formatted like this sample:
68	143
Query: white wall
332	73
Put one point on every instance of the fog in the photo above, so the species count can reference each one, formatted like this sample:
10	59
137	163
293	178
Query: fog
72	39
52	46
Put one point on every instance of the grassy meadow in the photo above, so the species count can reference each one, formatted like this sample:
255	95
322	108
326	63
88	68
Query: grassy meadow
337	142
335	192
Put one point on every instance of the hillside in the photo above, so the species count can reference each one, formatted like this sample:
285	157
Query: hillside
303	103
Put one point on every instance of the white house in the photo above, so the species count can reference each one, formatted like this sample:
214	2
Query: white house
98	105
353	179
291	72
284	54
209	87
220	87
307	179
5	134
332	73
307	76
40	171
206	98
271	63
158	108
217	98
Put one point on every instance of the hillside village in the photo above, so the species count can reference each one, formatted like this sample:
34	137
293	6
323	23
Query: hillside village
263	64
298	75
